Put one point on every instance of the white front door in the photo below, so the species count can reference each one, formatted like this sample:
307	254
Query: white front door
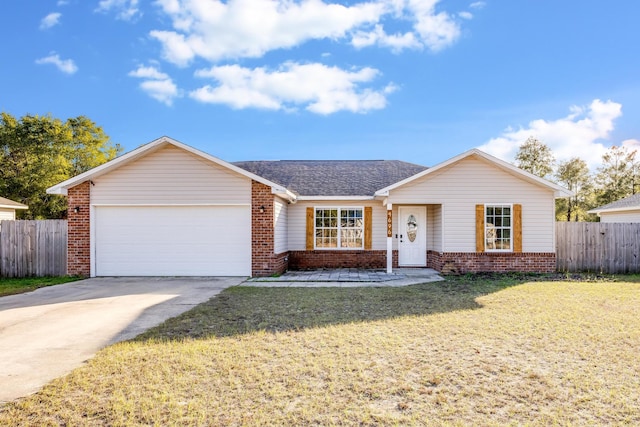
412	236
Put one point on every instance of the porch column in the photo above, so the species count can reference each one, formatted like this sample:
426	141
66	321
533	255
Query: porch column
389	238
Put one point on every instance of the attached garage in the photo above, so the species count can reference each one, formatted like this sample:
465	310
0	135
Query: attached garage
172	240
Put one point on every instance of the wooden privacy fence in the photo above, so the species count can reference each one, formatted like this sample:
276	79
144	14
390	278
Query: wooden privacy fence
598	247
33	248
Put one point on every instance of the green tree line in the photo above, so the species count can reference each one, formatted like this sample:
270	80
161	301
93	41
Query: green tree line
617	177
37	152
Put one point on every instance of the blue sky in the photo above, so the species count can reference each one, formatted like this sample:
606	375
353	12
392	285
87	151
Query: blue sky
414	80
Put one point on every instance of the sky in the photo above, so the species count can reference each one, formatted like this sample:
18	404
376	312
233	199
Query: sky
414	80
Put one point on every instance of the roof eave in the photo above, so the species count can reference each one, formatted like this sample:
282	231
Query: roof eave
336	198
21	206
608	210
62	187
558	191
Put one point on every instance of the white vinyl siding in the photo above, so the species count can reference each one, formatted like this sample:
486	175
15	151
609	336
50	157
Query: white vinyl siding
171	213
626	216
171	176
7	214
461	186
280	210
434	228
297	217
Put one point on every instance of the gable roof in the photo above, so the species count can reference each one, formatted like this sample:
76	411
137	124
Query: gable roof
333	178
481	155
152	146
10	204
627	204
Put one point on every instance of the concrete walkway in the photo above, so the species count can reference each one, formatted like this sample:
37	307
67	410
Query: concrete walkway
348	277
49	332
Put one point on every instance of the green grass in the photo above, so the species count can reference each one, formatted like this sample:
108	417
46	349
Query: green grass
473	350
18	286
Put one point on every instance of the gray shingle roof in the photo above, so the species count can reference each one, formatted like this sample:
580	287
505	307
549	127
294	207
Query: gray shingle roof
333	177
627	202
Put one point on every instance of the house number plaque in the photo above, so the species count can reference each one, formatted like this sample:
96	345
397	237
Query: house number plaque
389	227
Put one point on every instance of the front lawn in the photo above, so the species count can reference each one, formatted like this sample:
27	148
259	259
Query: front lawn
467	351
28	284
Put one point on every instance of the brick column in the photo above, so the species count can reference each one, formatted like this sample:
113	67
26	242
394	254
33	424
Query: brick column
264	262
79	236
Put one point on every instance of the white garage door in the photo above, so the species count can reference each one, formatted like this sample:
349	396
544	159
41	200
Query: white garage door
173	241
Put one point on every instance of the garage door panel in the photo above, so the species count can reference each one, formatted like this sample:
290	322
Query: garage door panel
175	241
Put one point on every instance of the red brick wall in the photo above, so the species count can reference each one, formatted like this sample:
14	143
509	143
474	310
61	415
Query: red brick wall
263	261
452	262
311	260
472	262
79	240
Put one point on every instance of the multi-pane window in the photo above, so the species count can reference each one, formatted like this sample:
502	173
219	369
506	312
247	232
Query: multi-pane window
498	228
339	228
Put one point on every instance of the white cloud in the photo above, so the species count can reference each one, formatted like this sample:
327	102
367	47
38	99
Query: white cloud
431	30
216	30
67	66
396	42
465	15
631	144
126	9
316	87
50	20
148	73
477	5
156	84
577	134
436	30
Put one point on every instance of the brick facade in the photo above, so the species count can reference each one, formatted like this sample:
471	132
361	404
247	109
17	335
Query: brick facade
263	261
79	236
311	260
495	262
452	262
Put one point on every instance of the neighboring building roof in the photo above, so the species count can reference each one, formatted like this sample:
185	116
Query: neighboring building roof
333	177
10	204
558	191
627	204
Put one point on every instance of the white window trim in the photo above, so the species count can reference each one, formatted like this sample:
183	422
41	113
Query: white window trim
503	205
338	208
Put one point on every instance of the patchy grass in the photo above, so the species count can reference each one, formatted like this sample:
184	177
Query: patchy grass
28	284
469	351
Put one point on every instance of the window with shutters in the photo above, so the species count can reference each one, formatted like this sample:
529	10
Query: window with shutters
498	227
339	228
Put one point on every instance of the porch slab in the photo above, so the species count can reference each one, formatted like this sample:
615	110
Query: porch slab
348	277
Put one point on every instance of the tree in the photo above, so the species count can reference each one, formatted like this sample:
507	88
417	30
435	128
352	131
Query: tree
574	175
535	157
37	152
618	176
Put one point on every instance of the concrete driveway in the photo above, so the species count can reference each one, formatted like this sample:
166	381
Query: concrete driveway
49	332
